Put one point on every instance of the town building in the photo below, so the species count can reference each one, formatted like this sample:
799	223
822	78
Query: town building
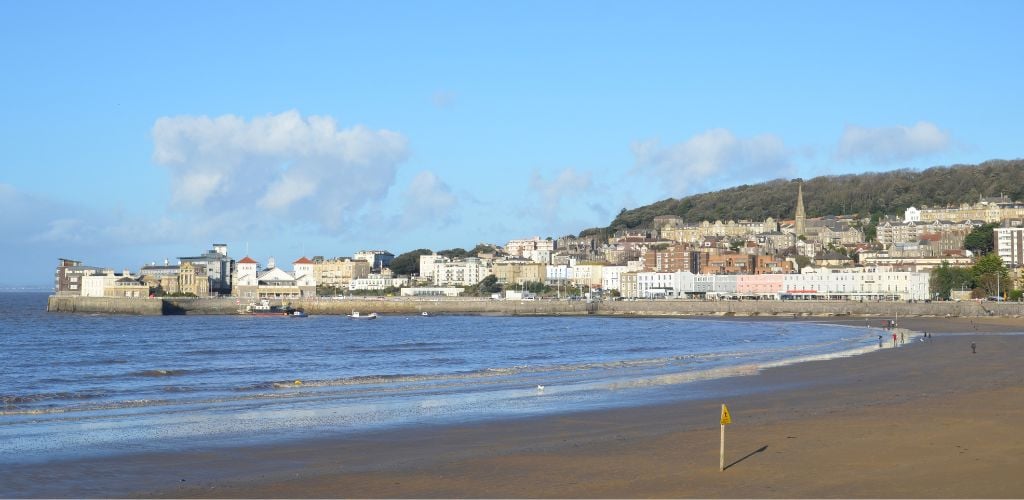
1009	244
462	272
527	248
273	282
68	276
519	271
339	271
432	291
857	283
219	268
378	259
378	281
193	279
988	210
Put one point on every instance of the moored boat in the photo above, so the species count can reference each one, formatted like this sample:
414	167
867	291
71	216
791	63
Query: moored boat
264	308
356	315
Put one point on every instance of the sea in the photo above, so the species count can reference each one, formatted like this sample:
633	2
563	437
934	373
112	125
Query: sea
77	385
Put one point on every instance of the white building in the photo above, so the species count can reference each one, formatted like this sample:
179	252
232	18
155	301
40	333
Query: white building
432	291
1009	243
92	286
519	248
377	281
464	272
857	283
429	262
274	282
559	274
611	277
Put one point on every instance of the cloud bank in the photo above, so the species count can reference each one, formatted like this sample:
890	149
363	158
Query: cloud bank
427	202
712	159
886	145
285	166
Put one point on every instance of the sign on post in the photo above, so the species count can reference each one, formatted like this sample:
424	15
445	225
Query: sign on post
726	419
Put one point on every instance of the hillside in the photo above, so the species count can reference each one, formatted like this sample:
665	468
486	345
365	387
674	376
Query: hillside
871	193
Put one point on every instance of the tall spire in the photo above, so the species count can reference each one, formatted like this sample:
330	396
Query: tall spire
801	217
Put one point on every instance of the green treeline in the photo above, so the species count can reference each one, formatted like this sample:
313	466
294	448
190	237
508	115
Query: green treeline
865	194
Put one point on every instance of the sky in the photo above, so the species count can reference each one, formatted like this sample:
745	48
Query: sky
135	132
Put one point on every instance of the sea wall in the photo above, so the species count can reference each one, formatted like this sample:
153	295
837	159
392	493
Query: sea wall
105	305
230	305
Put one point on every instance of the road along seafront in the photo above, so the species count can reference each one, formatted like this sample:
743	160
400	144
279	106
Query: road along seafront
543	307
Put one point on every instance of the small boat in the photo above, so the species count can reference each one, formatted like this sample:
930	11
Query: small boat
265	309
424	313
356	315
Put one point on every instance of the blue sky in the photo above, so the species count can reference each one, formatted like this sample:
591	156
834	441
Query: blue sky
138	131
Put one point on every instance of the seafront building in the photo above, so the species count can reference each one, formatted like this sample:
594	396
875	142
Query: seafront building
339	271
69	274
251	282
378	259
1009	244
219	268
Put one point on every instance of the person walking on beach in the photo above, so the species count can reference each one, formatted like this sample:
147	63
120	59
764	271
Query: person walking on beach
973	348
879	341
903	338
894	340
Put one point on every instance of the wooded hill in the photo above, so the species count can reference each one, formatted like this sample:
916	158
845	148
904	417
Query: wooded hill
865	194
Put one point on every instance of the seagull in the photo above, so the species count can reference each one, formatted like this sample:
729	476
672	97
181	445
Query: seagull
540	388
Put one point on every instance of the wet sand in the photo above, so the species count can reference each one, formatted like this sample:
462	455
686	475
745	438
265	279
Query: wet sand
929	419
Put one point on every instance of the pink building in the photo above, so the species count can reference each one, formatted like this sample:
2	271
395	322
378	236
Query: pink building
754	284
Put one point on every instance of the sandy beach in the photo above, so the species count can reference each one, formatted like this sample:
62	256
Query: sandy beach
930	419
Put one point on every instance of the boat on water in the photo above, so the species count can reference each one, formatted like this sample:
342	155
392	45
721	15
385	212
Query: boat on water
356	315
264	308
424	313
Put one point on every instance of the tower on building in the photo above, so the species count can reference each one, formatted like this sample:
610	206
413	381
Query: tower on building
801	216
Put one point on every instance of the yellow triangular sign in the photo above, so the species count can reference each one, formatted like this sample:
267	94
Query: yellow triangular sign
726	419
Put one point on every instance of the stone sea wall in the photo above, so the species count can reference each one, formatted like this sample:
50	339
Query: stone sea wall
230	305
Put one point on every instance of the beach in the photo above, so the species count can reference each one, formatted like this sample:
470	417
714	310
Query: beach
929	419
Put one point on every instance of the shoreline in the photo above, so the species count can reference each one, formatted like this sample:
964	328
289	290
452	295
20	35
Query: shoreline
875	410
545	307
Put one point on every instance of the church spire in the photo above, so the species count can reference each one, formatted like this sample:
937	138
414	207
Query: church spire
801	216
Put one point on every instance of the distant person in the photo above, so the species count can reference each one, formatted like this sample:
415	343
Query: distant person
879	341
974	349
894	340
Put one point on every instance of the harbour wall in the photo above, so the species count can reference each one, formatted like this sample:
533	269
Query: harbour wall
231	305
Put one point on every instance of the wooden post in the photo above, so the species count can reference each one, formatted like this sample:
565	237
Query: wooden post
721	455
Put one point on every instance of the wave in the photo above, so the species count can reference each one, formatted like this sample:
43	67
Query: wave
485	373
160	373
25	399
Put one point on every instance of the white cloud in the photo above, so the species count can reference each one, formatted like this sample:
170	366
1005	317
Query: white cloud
550	209
712	158
886	145
567	183
303	169
428	201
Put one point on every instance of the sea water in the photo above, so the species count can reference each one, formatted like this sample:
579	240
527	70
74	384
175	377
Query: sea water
80	384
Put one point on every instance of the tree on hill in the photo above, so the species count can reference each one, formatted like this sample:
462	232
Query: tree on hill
454	253
408	262
869	194
980	240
